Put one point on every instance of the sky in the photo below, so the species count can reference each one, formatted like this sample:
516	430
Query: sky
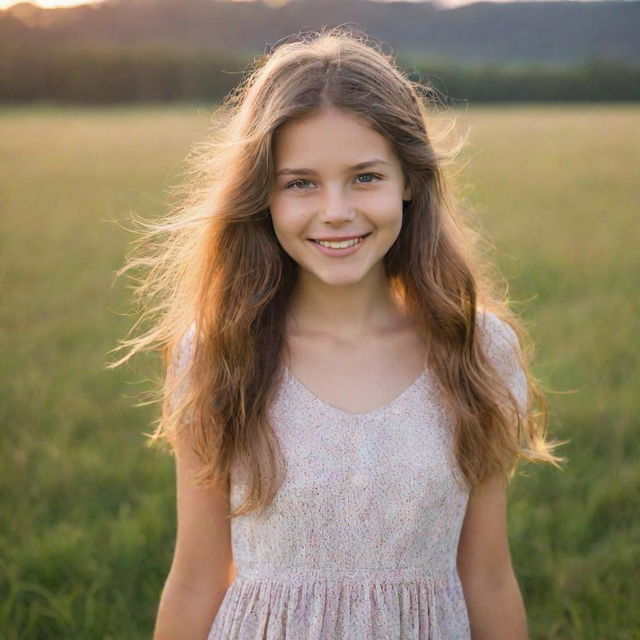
69	3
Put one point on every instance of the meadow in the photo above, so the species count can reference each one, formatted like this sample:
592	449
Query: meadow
88	519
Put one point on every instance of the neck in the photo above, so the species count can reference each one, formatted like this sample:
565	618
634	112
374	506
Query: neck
343	311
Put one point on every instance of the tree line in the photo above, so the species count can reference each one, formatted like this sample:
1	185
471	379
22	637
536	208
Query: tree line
102	73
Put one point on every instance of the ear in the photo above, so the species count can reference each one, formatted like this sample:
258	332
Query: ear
407	194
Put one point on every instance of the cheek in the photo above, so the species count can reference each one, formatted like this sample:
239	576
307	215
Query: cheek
386	210
288	225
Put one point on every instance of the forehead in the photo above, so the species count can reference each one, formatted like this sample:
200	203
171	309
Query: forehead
329	136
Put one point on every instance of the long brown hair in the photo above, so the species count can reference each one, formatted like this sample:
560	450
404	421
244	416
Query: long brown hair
216	281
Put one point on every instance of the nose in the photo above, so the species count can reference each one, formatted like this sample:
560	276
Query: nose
336	207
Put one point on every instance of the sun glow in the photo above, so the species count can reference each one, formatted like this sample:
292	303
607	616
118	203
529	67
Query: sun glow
48	4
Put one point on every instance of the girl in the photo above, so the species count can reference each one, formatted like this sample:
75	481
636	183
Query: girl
346	393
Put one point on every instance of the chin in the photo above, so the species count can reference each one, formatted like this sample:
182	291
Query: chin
339	280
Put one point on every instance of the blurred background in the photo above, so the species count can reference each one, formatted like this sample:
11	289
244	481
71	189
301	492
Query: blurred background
99	105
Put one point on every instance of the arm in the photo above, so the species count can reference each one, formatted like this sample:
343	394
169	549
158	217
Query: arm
202	566
494	602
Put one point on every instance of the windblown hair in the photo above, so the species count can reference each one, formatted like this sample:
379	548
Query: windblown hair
217	283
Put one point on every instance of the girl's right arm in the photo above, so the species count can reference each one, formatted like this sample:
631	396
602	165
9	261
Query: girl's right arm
202	566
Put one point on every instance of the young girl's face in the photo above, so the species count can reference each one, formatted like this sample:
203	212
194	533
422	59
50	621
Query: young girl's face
321	194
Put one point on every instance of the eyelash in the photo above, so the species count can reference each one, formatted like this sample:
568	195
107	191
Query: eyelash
290	185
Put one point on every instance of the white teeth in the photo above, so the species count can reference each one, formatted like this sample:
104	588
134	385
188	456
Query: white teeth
339	245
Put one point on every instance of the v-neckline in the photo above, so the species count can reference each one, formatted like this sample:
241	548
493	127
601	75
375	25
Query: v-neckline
349	414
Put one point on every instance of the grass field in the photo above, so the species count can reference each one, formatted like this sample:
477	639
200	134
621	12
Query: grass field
89	516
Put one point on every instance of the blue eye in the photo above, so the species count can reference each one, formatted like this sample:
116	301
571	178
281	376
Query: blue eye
373	175
295	182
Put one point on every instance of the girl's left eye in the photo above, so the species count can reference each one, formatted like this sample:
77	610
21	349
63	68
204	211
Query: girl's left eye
373	175
292	184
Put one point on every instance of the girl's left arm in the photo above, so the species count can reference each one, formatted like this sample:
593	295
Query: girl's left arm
494	602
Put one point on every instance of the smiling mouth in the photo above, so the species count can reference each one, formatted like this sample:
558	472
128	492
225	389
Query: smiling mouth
340	244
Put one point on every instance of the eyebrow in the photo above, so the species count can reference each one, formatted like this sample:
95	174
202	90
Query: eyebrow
355	167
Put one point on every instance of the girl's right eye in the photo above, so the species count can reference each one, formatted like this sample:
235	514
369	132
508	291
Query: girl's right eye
290	185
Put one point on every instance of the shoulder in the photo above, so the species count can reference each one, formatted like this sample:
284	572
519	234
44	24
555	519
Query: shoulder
498	341
496	334
178	374
501	346
182	353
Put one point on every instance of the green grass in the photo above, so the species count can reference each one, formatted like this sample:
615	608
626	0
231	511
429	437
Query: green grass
89	512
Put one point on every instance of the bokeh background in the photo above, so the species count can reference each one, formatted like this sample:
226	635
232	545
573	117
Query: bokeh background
99	106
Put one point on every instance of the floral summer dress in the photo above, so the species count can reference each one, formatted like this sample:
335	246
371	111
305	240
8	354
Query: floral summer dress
361	540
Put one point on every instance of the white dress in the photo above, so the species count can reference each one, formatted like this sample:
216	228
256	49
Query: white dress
361	540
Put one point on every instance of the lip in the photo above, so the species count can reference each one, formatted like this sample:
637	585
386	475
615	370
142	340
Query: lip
339	253
341	239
